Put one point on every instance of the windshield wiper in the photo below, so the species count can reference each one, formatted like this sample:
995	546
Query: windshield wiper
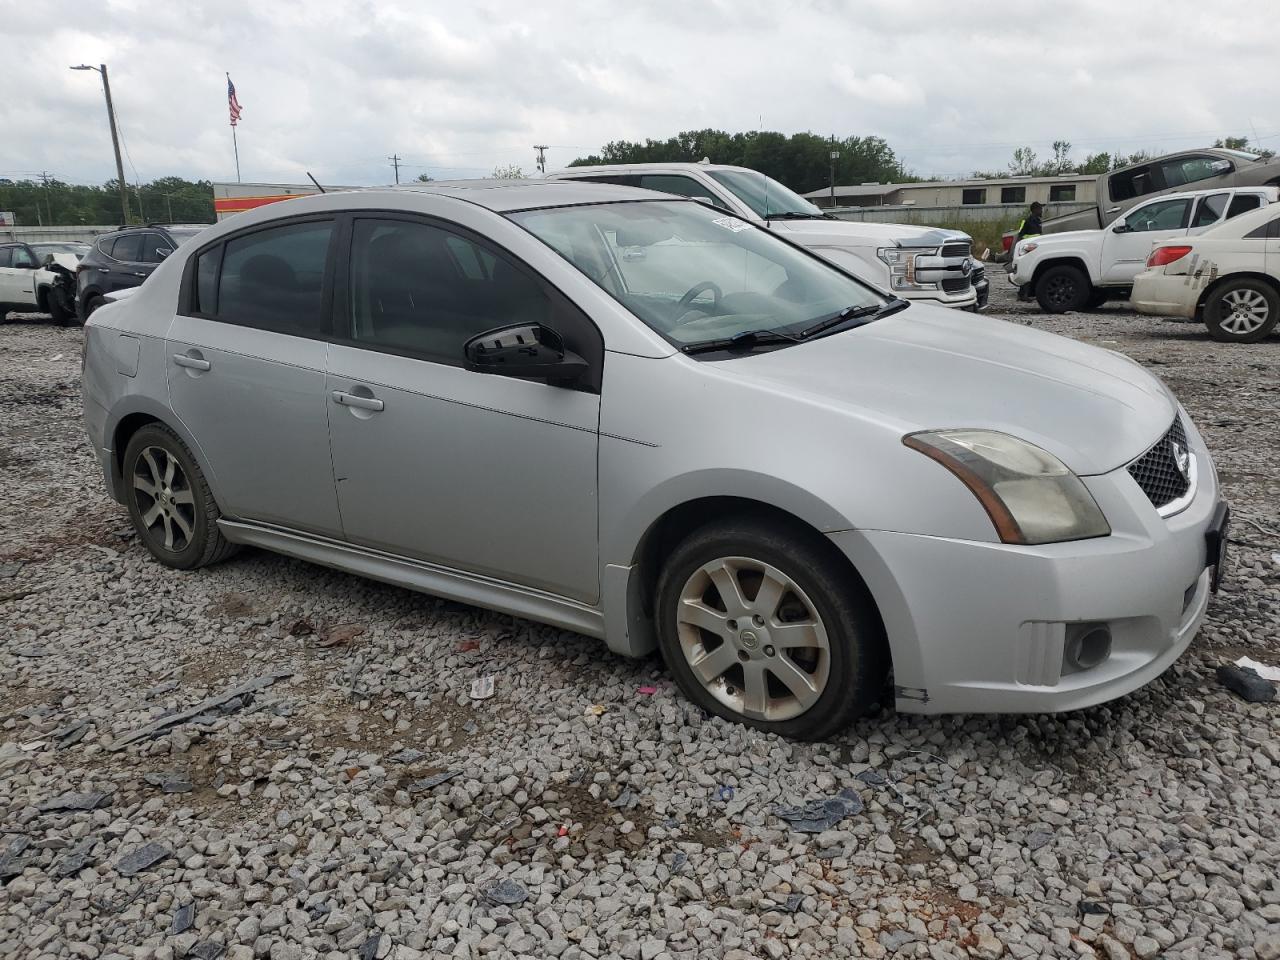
867	314
739	341
797	215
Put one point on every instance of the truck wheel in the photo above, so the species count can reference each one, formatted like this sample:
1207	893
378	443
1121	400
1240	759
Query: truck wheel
1242	311
759	626
1063	288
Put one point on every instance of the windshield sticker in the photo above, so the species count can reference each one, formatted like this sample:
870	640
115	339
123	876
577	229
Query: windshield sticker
731	223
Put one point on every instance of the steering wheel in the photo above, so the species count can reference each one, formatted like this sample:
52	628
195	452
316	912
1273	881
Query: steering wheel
683	307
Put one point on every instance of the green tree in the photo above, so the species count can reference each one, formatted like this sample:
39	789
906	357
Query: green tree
510	171
1242	143
1024	162
423	178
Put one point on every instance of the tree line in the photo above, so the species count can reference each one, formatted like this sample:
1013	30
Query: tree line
1025	163
53	202
802	160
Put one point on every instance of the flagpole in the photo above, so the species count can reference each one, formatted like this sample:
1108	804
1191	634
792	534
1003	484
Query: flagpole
235	146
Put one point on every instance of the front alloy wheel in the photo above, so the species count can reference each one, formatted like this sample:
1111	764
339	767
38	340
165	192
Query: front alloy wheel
763	622
753	638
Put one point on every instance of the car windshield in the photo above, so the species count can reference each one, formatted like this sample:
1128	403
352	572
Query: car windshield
695	274
78	249
766	196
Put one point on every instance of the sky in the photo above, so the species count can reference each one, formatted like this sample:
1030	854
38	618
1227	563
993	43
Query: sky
456	89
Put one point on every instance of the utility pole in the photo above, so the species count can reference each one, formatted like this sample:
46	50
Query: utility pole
115	138
395	162
835	155
169	203
542	156
48	199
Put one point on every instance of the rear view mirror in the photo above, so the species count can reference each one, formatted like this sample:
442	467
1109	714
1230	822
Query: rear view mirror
162	252
1120	227
1221	166
523	350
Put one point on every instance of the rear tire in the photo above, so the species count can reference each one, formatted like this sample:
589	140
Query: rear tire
92	304
1242	311
797	650
1063	288
169	501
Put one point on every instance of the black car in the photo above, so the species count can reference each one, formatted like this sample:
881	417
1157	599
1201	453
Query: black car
124	259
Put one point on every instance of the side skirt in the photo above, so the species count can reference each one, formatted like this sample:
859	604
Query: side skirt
421	576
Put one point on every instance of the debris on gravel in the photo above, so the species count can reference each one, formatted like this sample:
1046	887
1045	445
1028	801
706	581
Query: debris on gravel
1245	683
642	830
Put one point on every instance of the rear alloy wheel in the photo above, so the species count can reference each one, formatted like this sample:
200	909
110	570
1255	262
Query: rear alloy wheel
169	501
1242	311
1063	288
761	626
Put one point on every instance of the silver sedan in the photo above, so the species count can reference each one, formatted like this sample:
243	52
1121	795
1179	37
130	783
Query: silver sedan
643	419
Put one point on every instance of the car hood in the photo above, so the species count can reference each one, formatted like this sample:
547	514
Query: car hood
933	368
1066	237
68	260
846	233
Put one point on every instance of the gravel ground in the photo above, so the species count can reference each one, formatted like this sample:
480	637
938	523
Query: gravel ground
591	811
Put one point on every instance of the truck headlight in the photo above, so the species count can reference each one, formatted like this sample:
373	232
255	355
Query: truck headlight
902	266
1029	494
1026	247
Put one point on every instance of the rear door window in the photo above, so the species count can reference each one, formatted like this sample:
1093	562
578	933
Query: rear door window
152	245
1137	182
6	256
273	279
1209	209
681	186
127	248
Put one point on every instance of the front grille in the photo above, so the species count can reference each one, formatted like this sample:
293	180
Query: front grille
955	284
1156	471
955	249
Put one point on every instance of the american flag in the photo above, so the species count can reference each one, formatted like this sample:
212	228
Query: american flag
233	105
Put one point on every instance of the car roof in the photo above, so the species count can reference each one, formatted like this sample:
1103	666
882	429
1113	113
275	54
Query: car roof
1271	193
503	196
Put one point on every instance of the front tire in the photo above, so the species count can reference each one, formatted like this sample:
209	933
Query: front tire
1242	311
92	304
1063	288
765	625
57	308
169	501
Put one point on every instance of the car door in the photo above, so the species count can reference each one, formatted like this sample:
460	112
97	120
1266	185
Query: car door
153	252
1209	211
17	276
246	370
125	269
8	275
478	472
1126	244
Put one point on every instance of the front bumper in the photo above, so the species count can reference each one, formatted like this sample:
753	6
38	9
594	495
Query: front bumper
1161	295
979	627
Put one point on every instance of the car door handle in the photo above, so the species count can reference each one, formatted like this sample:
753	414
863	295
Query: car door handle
191	363
140	275
344	399
104	270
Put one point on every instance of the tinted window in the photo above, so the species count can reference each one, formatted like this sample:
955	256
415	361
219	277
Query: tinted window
681	186
1062	193
6	256
419	289
1270	229
766	196
271	279
22	257
206	300
152	245
619	179
1013	194
127	247
974	196
1133	183
1162	215
1243	203
1209	210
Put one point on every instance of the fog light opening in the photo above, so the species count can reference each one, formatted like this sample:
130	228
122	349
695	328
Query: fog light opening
1087	645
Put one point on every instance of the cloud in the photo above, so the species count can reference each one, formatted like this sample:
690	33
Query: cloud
878	88
337	86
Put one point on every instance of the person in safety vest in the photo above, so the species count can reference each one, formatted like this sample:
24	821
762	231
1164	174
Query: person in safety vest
1030	226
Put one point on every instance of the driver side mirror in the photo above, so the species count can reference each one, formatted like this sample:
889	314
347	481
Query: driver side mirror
1121	227
523	350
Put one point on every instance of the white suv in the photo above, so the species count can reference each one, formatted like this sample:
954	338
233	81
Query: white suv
912	261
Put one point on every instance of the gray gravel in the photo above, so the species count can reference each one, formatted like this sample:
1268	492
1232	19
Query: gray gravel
311	817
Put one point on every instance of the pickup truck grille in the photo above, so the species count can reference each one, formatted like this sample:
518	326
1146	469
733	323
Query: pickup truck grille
955	284
1156	471
955	249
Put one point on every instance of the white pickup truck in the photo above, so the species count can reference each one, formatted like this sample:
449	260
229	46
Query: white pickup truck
914	262
1081	269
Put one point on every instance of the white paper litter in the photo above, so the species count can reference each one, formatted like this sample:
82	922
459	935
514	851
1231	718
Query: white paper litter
482	688
1261	669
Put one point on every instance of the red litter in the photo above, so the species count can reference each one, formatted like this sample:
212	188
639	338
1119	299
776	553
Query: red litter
647	691
468	645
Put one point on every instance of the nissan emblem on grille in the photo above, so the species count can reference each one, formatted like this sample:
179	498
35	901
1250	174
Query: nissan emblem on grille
1164	471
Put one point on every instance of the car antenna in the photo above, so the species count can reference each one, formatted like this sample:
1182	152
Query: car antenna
315	181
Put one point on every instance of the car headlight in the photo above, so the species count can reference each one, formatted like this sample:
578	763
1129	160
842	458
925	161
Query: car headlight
1026	247
1029	494
902	266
